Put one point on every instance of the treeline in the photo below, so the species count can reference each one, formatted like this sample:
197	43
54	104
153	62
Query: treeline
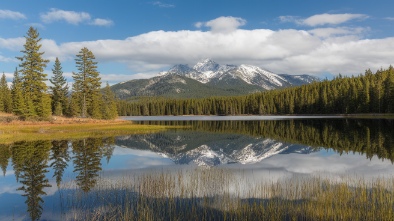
368	93
30	98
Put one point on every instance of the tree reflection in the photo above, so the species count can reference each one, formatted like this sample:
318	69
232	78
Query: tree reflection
5	155
87	156
59	157
30	161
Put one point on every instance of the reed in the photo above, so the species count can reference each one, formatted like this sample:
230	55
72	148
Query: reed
220	194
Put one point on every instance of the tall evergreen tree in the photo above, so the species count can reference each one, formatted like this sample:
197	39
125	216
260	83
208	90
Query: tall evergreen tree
33	78
5	96
109	109
86	96
59	90
18	101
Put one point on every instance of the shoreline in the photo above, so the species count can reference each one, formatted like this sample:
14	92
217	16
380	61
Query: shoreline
70	129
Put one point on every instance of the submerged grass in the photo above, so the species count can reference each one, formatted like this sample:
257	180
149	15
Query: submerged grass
13	132
219	194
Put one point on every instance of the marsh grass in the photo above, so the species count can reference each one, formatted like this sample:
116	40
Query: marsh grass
220	194
10	133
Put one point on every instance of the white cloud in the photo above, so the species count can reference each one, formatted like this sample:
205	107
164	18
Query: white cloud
285	51
102	22
73	17
340	31
12	43
162	5
332	19
223	24
316	51
323	19
7	14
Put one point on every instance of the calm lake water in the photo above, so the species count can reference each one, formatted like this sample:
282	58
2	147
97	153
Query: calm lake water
37	175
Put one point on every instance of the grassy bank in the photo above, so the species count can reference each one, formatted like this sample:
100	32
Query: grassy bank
13	130
218	194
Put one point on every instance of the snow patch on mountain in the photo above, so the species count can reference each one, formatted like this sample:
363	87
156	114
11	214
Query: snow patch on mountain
208	70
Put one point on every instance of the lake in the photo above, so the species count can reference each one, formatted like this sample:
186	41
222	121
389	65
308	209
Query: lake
206	159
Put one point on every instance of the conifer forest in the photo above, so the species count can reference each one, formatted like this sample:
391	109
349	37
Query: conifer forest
31	99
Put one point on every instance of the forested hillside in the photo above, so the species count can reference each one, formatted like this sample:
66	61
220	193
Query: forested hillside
368	93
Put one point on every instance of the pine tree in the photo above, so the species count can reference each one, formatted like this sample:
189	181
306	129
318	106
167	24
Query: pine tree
86	95
109	109
18	101
5	96
33	78
59	90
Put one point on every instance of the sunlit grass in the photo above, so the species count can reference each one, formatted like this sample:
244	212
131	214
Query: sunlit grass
218	194
10	133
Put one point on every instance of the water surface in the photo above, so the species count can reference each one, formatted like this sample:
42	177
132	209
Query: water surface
266	149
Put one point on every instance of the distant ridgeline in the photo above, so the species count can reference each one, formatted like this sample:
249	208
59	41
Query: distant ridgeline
368	93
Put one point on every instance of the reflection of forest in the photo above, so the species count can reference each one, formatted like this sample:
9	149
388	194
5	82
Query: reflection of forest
372	137
30	161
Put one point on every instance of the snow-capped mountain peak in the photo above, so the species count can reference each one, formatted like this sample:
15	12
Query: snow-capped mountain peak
208	71
180	68
206	65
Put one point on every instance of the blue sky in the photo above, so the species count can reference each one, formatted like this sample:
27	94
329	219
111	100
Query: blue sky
138	39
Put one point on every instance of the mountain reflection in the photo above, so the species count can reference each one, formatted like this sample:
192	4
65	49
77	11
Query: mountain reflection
371	137
207	143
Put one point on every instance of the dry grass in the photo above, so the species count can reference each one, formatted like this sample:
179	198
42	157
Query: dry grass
68	128
216	194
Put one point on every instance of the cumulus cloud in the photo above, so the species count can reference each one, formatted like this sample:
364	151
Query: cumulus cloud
317	51
7	14
73	17
323	19
284	51
223	24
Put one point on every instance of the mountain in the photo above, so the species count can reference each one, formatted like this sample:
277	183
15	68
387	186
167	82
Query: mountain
208	78
176	86
207	149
